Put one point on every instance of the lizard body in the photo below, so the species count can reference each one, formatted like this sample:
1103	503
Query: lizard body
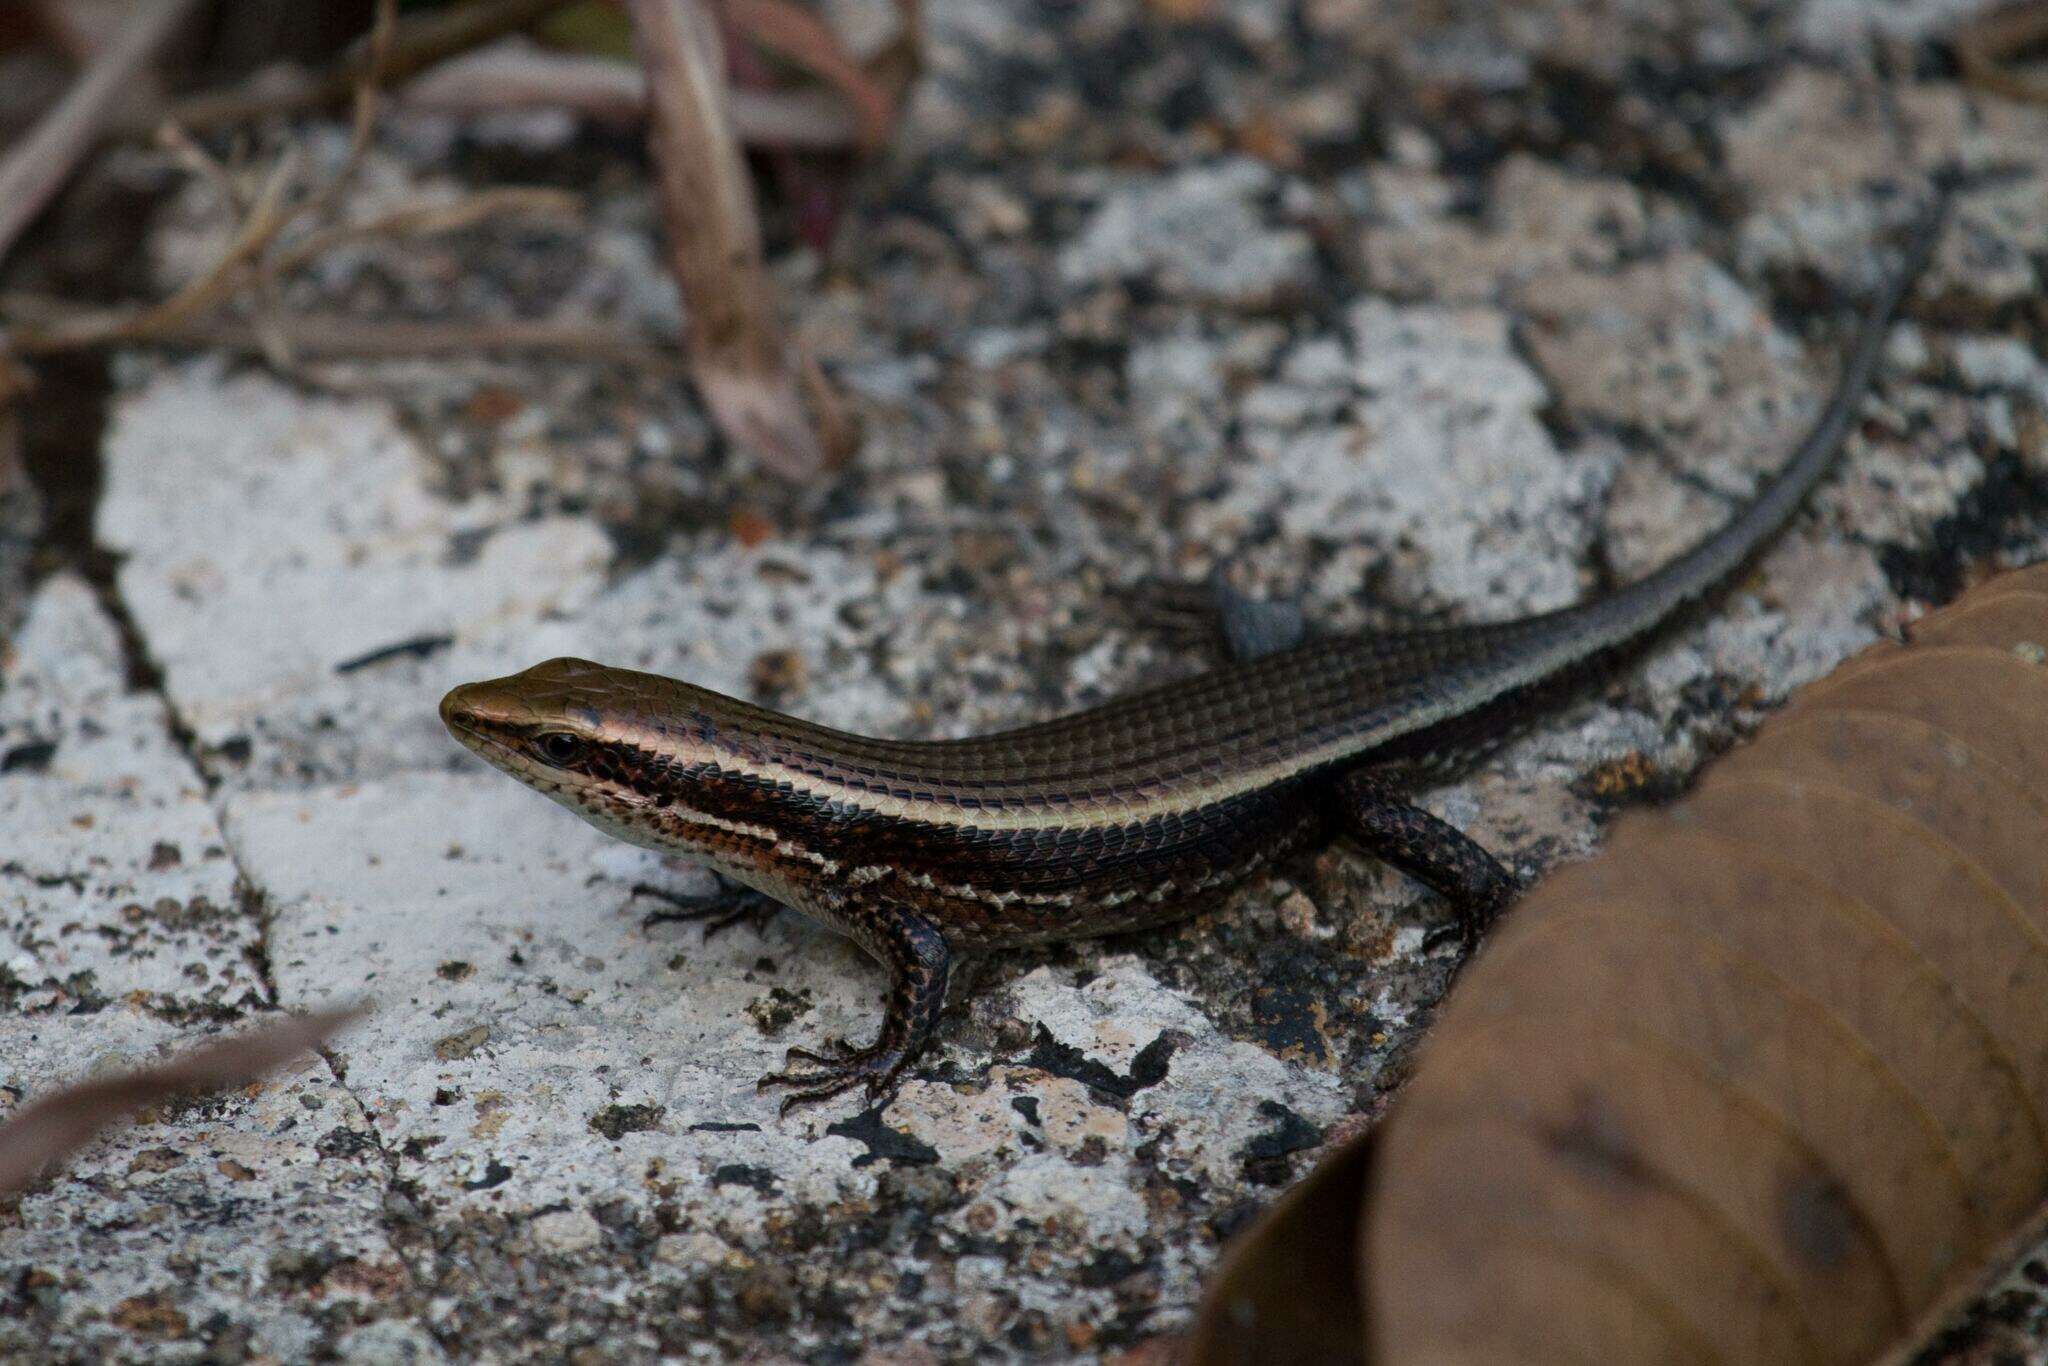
1137	812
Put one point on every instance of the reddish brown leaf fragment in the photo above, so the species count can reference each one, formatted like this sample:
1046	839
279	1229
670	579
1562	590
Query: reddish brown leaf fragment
42	1132
1290	1281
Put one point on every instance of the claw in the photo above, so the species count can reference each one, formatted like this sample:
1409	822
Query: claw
1468	929
722	909
816	1093
823	1077
1464	932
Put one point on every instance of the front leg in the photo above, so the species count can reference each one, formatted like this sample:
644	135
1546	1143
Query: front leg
730	905
1441	857
915	953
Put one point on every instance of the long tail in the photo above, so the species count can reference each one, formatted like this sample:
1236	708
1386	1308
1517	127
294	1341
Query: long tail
1640	606
1420	683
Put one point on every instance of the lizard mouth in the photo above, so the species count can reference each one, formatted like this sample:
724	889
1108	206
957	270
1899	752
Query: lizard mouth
466	722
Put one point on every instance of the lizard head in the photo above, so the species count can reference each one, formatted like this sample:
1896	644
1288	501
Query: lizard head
612	745
654	761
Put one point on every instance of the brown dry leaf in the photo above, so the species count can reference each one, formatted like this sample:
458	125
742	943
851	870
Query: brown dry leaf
1289	1279
43	1132
1765	1081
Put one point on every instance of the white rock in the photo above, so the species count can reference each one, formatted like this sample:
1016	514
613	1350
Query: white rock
252	1188
1197	231
116	879
268	554
390	1342
565	1231
1446	418
2001	363
458	901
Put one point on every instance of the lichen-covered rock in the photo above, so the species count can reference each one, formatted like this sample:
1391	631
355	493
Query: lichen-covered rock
1416	313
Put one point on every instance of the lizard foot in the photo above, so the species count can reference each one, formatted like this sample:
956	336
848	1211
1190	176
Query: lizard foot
839	1069
1472	921
723	909
1215	613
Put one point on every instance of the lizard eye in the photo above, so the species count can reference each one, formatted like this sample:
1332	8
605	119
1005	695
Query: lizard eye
559	747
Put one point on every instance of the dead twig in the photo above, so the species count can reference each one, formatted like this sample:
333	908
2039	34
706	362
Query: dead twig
35	170
418	43
426	220
734	337
270	211
269	215
45	327
319	336
508	77
42	1133
369	81
254	261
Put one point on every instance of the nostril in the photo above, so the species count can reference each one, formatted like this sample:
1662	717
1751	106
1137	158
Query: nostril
454	708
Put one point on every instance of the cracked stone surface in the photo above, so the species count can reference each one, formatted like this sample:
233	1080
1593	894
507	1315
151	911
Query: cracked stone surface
1195	233
117	886
265	595
250	1223
1142	293
247	1225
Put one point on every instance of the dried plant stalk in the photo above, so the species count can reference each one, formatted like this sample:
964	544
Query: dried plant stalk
612	92
44	161
707	204
254	263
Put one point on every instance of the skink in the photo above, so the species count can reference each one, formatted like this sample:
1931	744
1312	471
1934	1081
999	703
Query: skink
1144	810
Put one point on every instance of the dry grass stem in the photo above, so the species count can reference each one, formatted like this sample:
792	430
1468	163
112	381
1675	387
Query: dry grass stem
428	220
33	172
268	213
509	77
254	262
714	236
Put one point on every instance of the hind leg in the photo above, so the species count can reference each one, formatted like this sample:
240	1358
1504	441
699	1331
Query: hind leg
1440	856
